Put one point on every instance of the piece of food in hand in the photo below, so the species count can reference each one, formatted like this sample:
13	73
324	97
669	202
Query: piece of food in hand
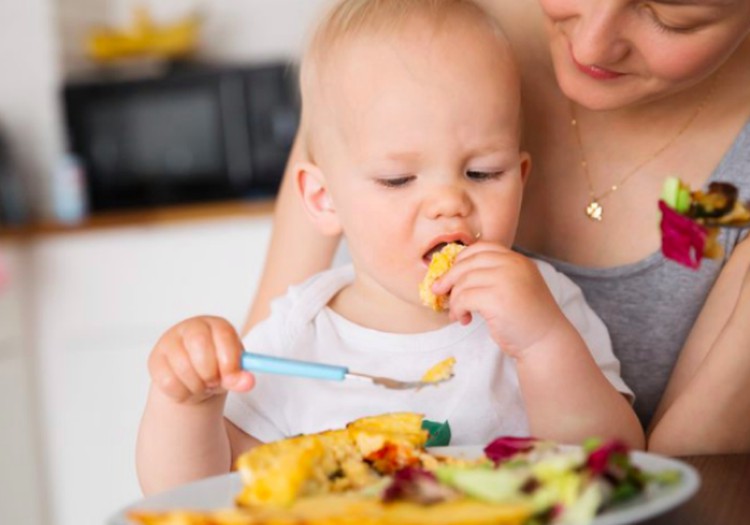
440	263
691	220
440	372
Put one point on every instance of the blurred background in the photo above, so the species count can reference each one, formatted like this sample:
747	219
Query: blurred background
141	145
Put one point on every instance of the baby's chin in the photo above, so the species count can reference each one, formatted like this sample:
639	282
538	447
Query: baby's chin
418	319
390	307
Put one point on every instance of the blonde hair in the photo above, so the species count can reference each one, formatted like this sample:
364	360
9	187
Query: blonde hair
348	19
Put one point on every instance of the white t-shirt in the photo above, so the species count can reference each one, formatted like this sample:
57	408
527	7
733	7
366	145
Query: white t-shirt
481	402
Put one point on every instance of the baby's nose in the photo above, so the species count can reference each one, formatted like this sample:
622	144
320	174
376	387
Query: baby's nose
447	201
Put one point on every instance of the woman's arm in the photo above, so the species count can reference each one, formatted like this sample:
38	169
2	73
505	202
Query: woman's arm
297	250
706	405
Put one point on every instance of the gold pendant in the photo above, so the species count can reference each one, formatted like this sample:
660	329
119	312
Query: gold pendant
594	211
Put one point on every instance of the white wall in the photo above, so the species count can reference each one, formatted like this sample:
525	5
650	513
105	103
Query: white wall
29	117
233	30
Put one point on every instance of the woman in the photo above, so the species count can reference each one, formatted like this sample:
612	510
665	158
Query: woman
619	95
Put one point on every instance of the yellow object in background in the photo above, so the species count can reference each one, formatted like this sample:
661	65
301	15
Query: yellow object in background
145	39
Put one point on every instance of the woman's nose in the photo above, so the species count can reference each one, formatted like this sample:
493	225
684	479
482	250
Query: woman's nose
598	39
446	202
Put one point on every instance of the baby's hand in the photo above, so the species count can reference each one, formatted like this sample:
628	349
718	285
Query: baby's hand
507	289
197	359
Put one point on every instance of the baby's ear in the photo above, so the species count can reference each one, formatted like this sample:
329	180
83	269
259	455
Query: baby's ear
525	166
312	188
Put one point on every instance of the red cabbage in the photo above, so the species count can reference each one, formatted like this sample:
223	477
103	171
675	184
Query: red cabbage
417	486
682	239
603	458
506	447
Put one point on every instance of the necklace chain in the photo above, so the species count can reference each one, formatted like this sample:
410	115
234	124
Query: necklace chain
594	209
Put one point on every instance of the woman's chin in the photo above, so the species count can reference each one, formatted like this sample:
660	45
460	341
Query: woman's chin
596	95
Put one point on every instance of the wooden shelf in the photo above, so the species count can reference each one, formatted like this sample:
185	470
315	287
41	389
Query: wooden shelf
146	217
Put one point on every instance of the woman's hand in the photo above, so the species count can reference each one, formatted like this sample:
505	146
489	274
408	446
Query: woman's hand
507	290
197	359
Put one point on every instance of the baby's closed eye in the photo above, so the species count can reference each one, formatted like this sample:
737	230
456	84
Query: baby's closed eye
395	182
481	175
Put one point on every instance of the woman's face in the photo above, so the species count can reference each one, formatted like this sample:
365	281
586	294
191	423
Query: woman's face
609	54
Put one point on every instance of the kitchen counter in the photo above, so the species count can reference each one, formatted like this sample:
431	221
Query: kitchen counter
82	300
146	217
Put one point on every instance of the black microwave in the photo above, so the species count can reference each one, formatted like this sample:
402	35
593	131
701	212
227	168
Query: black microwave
191	135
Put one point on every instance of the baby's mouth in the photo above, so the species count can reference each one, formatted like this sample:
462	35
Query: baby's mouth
427	257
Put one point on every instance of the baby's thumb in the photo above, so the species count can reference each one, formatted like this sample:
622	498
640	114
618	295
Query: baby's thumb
241	381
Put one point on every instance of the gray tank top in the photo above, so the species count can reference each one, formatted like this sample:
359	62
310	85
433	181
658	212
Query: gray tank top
649	306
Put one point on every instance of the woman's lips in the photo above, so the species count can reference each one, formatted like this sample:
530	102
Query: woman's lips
595	72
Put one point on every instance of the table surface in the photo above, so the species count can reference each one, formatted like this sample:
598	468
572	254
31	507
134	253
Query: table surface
723	497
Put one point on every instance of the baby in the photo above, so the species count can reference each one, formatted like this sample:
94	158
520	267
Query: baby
411	117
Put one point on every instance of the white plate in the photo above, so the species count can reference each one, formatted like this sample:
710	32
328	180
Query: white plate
219	491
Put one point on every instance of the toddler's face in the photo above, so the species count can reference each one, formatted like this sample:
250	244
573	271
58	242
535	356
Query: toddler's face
423	149
613	53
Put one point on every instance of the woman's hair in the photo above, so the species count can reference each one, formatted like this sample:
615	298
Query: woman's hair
346	20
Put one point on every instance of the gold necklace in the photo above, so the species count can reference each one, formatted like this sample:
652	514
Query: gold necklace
594	209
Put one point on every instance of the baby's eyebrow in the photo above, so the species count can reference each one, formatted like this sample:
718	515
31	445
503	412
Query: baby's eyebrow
391	161
707	3
396	157
402	155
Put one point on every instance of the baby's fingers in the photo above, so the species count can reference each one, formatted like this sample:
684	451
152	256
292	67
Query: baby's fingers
165	378
229	350
462	304
477	257
201	350
460	315
239	381
173	374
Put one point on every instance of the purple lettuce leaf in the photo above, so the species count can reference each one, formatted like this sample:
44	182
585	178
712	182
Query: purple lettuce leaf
682	239
417	486
607	458
505	447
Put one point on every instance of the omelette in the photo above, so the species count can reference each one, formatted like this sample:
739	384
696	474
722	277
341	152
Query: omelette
441	262
337	477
